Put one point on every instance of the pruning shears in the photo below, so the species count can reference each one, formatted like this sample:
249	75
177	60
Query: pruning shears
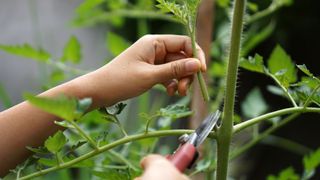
186	154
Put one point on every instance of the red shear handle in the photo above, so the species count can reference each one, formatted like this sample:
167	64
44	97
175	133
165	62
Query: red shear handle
183	156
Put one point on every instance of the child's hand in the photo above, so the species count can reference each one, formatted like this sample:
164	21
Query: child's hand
157	167
153	59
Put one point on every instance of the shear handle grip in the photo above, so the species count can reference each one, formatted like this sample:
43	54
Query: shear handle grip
183	157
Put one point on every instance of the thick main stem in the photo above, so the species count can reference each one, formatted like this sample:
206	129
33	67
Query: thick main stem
225	131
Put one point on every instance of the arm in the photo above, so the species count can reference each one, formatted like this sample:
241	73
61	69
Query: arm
151	60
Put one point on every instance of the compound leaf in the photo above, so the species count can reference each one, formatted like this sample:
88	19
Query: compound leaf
26	51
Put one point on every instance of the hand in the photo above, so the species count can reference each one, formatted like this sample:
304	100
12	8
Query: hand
153	59
158	168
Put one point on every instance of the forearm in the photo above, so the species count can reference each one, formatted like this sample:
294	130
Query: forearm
25	125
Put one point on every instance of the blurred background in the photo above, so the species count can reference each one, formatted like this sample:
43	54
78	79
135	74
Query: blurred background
104	32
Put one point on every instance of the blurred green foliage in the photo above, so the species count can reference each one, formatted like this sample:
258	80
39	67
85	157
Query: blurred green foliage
144	114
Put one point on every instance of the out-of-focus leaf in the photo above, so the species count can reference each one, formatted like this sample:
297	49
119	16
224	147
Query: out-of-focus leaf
87	5
310	82
4	98
27	51
56	142
72	51
217	69
112	174
254	104
252	6
253	64
61	106
175	111
311	162
64	124
93	117
116	44
47	162
223	3
84	104
275	90
257	36
40	150
304	69
281	65
286	174
116	109
57	76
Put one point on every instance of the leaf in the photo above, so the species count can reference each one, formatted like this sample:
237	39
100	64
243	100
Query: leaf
56	142
280	61
27	51
61	106
254	104
275	90
179	11
39	150
253	64
84	104
116	109
87	5
116	44
57	76
175	111
256	36
223	3
217	69
310	163
286	174
72	51
304	69
112	174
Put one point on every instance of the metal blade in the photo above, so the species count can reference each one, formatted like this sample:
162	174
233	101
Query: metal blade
206	126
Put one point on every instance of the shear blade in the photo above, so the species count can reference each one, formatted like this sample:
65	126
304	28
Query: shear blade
206	126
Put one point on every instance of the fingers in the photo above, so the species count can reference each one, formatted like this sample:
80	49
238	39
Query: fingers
184	84
176	69
173	44
157	167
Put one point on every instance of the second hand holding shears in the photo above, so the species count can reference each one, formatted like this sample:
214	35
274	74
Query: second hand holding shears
187	154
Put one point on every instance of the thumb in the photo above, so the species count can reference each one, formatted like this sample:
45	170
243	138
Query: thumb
177	69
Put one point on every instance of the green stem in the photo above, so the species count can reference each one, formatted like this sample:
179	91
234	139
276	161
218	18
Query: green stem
264	13
284	89
124	140
124	160
266	133
225	131
84	135
286	144
202	82
239	127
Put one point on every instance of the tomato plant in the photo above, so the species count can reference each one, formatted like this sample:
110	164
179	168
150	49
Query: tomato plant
99	141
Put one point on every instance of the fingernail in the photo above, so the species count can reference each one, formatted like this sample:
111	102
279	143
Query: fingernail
192	66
